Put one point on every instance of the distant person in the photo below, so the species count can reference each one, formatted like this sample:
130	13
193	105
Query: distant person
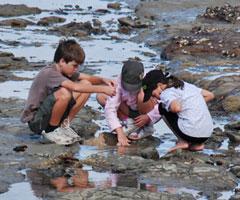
126	114
59	91
183	107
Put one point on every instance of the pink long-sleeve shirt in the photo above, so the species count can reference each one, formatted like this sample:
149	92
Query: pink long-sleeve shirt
130	99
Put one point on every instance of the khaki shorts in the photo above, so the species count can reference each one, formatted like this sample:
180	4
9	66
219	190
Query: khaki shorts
43	115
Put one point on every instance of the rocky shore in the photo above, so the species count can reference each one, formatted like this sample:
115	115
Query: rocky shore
197	41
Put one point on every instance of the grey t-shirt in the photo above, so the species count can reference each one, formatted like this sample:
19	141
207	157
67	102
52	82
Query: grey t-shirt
194	118
45	83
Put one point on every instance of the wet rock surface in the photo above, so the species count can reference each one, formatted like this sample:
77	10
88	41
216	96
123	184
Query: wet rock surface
216	43
191	47
20	23
227	13
46	21
9	61
8	10
123	193
81	29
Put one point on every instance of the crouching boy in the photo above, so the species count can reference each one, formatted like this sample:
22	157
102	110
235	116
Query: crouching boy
59	91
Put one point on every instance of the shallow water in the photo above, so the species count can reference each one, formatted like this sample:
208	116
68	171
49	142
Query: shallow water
104	56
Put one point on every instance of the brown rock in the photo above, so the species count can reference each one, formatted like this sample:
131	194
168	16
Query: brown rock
46	21
8	10
116	6
231	104
16	22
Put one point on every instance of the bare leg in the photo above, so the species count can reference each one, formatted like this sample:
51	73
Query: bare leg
81	99
101	99
62	97
196	147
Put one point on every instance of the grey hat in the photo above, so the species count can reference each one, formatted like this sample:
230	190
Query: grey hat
132	75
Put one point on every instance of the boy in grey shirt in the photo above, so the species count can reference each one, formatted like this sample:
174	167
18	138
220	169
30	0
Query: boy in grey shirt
59	91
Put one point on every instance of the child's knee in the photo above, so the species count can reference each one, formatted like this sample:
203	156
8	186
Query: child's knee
101	98
63	94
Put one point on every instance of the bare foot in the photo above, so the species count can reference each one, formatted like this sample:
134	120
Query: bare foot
196	147
179	145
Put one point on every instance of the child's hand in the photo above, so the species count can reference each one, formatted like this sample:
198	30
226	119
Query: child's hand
154	100
122	138
141	120
110	82
109	90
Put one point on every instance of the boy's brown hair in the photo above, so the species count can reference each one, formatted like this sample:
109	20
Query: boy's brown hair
69	50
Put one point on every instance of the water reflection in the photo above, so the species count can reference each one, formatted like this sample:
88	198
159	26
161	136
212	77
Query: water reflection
76	179
170	189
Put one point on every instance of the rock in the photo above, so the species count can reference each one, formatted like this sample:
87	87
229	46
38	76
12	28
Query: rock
102	11
225	13
198	45
123	193
235	125
83	123
8	10
96	22
134	23
16	23
46	21
234	136
124	30
223	86
126	21
202	40
149	54
236	170
190	174
235	197
20	148
150	153
231	104
8	60
119	163
116	6
215	141
60	12
79	29
6	54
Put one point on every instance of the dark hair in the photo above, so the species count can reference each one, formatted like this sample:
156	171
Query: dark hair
69	50
153	77
173	81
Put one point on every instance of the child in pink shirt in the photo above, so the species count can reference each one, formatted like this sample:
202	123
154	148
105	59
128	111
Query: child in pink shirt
127	106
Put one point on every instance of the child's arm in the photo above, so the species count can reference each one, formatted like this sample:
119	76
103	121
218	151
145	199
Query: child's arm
207	95
96	80
175	106
111	109
88	88
145	107
122	138
153	116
